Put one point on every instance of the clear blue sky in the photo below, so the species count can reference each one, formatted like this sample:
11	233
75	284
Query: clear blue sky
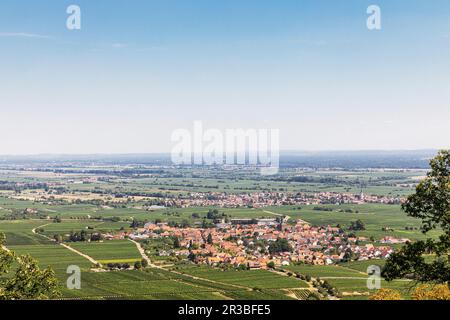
137	70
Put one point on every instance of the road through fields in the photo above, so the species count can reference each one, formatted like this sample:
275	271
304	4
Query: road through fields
92	260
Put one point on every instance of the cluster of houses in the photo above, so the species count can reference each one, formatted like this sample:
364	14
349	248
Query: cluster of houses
248	244
265	199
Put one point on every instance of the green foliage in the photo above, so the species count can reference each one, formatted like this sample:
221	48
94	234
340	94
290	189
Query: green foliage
213	214
431	204
357	225
6	257
209	239
28	280
176	243
313	296
280	245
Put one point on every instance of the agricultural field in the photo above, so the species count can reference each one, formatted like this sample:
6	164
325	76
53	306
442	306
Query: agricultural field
156	284
55	256
351	278
351	288
362	266
45	205
326	272
20	232
253	279
115	251
67	226
374	216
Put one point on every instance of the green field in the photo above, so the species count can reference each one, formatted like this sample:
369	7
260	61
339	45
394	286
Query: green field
253	279
120	251
55	256
351	286
363	265
160	284
66	226
325	272
374	216
20	232
183	280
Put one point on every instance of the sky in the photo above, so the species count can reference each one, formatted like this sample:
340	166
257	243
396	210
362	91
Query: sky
139	69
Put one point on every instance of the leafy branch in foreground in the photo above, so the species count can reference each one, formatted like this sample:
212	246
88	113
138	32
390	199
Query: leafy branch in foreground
28	280
431	204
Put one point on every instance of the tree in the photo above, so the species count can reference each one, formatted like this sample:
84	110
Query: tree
348	255
192	257
184	224
144	263
313	296
280	245
212	214
431	204
209	239
176	243
28	280
357	225
134	224
58	238
138	265
83	236
96	237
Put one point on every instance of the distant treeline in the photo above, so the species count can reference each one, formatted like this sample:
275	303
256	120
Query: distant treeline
417	159
8	185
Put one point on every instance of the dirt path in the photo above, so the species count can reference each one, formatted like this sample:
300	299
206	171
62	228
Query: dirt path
143	254
286	217
92	260
310	285
292	295
34	231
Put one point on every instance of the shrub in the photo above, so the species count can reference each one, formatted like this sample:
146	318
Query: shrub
386	294
426	292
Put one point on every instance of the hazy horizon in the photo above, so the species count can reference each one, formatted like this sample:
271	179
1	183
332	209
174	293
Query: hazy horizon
281	152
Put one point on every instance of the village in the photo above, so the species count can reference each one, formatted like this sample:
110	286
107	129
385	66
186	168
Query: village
263	243
265	199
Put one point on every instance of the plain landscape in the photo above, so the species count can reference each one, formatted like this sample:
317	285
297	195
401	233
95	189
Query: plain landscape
139	228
